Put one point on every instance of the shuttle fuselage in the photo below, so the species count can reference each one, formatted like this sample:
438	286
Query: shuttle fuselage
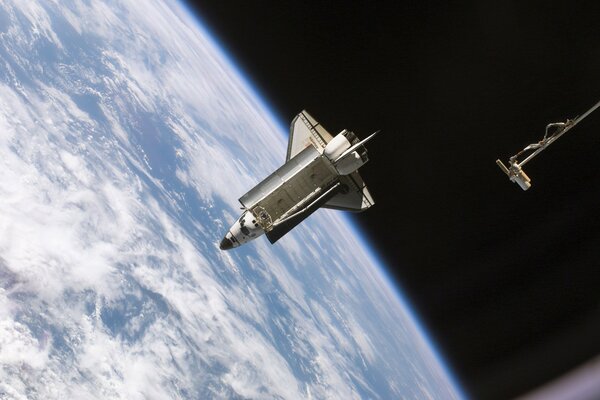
320	171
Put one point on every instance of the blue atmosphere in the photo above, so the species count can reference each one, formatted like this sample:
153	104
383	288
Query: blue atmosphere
283	127
278	121
129	136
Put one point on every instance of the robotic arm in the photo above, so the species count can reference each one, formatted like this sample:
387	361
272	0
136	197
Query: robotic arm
515	172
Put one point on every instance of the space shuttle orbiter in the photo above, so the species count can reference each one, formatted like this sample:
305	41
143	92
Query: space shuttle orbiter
320	171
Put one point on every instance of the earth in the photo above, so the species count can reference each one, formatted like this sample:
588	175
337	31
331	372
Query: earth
127	136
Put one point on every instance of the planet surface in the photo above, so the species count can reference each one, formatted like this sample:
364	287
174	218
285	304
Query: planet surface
126	138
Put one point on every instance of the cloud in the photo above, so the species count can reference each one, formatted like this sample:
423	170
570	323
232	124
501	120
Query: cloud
125	145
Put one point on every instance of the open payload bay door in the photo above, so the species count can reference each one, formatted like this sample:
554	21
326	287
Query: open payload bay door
354	197
306	131
284	225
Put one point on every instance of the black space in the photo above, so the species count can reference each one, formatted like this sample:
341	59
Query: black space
506	281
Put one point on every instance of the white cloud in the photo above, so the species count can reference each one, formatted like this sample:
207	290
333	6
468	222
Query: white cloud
117	287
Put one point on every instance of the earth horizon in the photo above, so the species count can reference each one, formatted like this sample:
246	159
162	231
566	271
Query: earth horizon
128	136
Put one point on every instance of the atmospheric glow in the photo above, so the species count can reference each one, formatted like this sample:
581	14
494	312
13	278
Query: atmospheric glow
367	247
404	304
233	65
125	146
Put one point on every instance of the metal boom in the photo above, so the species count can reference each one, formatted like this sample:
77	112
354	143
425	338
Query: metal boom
515	171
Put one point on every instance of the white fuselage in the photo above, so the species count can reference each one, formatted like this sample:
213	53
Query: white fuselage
245	229
292	187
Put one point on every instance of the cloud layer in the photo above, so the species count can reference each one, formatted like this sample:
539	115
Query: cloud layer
126	139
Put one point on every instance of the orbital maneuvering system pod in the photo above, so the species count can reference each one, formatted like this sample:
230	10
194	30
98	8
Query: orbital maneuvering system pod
321	170
553	132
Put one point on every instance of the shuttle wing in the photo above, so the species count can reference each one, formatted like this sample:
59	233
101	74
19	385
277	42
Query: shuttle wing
306	131
357	198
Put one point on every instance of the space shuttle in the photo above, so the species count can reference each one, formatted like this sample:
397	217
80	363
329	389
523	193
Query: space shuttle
321	170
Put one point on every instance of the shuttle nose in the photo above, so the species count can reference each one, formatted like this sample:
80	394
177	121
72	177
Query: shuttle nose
226	244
